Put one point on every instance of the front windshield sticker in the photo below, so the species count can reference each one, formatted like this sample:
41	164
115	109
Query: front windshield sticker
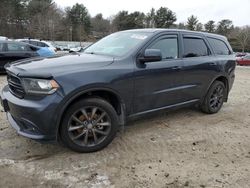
138	36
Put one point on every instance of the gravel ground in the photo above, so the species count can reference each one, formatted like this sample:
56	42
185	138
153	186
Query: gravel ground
184	148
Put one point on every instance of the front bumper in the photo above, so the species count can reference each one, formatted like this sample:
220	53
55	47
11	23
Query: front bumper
33	118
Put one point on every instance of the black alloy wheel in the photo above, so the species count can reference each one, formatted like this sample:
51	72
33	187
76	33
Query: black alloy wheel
214	98
89	125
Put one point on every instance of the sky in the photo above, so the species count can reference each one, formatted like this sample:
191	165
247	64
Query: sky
236	10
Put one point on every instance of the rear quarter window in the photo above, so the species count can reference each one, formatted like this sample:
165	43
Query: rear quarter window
195	47
219	46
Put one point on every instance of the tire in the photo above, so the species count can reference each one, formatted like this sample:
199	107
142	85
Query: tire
214	98
93	118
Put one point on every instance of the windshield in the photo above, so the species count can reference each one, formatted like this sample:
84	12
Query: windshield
118	44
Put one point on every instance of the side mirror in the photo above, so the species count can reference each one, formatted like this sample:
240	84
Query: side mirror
151	55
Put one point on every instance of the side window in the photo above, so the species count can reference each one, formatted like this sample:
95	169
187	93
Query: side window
168	47
219	47
33	43
195	47
16	47
44	44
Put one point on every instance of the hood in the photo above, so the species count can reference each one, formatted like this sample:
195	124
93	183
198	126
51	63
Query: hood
48	67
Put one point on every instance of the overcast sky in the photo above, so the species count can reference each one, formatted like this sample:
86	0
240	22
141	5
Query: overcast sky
236	10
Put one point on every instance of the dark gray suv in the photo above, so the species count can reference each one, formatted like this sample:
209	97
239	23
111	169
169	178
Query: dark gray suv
83	98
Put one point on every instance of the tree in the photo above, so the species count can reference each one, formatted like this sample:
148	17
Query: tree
224	27
120	20
199	27
123	20
13	17
181	26
192	22
150	19
44	19
164	18
80	21
100	25
136	20
210	26
243	37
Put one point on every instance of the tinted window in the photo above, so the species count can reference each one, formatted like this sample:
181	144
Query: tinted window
40	44
16	47
168	47
219	47
33	43
195	47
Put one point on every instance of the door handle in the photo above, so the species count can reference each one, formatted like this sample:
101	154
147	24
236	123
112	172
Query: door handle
176	68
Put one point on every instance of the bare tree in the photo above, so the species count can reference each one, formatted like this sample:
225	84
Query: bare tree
243	37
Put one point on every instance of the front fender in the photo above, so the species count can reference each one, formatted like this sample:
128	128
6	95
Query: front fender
68	99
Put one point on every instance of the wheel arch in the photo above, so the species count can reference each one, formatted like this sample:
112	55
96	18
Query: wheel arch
104	93
224	80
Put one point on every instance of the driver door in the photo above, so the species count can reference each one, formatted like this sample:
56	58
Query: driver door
158	84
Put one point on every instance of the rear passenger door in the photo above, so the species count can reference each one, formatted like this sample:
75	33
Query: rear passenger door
199	67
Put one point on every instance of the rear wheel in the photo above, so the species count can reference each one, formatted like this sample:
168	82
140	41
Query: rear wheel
214	98
89	125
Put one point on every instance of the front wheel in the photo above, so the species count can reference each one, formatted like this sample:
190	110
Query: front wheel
89	125
214	98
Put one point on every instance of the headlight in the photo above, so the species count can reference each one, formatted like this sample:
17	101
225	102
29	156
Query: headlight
39	86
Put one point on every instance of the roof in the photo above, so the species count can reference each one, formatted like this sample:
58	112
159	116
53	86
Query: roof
159	30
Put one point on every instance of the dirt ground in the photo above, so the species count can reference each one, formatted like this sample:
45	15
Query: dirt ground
184	148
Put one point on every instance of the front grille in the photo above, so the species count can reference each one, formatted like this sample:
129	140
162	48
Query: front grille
15	85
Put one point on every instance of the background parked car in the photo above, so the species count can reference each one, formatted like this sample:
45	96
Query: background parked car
12	51
45	52
243	60
240	54
3	38
39	43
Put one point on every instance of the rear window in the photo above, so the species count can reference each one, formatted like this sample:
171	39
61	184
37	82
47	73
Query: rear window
195	47
219	47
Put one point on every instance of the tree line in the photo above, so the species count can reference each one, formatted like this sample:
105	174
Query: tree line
43	19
